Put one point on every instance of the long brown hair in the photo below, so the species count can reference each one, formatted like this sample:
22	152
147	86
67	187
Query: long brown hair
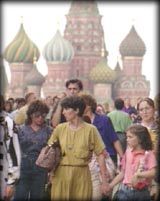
142	134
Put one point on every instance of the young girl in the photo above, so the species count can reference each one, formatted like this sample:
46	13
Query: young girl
138	166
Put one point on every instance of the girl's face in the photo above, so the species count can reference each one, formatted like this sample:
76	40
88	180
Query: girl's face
70	114
146	111
132	140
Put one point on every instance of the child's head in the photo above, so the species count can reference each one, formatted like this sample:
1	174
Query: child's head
138	134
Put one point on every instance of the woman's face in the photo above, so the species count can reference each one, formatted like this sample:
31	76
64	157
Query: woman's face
70	114
38	118
146	111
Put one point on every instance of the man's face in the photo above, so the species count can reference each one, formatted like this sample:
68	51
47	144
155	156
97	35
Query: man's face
32	98
73	89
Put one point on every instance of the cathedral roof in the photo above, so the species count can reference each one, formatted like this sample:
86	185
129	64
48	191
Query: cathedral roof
34	77
132	45
58	49
102	73
21	49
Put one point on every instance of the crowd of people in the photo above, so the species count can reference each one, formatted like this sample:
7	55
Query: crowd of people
88	133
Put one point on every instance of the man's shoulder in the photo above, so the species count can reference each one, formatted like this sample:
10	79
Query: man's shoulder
113	112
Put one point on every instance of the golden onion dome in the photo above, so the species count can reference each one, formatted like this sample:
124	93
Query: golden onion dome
102	73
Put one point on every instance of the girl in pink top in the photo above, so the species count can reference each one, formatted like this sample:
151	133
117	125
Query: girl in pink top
138	166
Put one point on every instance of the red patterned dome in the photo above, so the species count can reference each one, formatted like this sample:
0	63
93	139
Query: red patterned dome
132	45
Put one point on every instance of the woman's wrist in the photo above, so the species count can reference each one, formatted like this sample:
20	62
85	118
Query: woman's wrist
137	174
105	179
111	186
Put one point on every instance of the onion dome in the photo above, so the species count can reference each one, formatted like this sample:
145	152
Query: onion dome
102	73
21	49
132	45
58	49
34	77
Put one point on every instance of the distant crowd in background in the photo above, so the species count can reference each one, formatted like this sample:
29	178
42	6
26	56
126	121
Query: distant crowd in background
88	132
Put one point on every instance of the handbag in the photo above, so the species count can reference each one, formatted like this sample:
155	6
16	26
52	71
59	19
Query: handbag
49	156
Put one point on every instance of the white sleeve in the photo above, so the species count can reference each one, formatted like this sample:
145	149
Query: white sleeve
14	153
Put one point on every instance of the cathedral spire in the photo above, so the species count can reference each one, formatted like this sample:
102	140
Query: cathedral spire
102	48
21	19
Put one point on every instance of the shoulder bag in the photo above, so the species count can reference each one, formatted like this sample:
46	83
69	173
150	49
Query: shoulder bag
49	157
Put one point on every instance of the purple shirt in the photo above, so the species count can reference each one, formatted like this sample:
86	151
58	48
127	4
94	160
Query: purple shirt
106	130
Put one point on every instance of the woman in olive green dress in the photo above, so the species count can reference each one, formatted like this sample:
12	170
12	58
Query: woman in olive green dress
78	139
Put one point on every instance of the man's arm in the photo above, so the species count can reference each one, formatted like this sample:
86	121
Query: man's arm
56	116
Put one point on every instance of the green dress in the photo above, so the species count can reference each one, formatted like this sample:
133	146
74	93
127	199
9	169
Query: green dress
72	180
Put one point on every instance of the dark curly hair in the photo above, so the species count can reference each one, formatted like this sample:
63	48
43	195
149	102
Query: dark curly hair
74	102
36	106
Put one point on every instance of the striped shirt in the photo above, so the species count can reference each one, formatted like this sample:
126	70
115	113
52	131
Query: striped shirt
10	155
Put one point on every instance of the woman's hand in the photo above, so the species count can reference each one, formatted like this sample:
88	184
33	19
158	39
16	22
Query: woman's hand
106	188
134	180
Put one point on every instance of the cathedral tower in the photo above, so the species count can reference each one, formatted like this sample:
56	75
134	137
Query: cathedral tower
84	30
132	83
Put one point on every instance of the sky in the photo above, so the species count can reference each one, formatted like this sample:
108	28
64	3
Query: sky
41	21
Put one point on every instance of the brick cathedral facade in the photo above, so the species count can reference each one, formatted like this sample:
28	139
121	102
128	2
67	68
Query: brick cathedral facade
81	53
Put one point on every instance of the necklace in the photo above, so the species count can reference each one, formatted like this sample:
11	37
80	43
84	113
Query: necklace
70	139
72	132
